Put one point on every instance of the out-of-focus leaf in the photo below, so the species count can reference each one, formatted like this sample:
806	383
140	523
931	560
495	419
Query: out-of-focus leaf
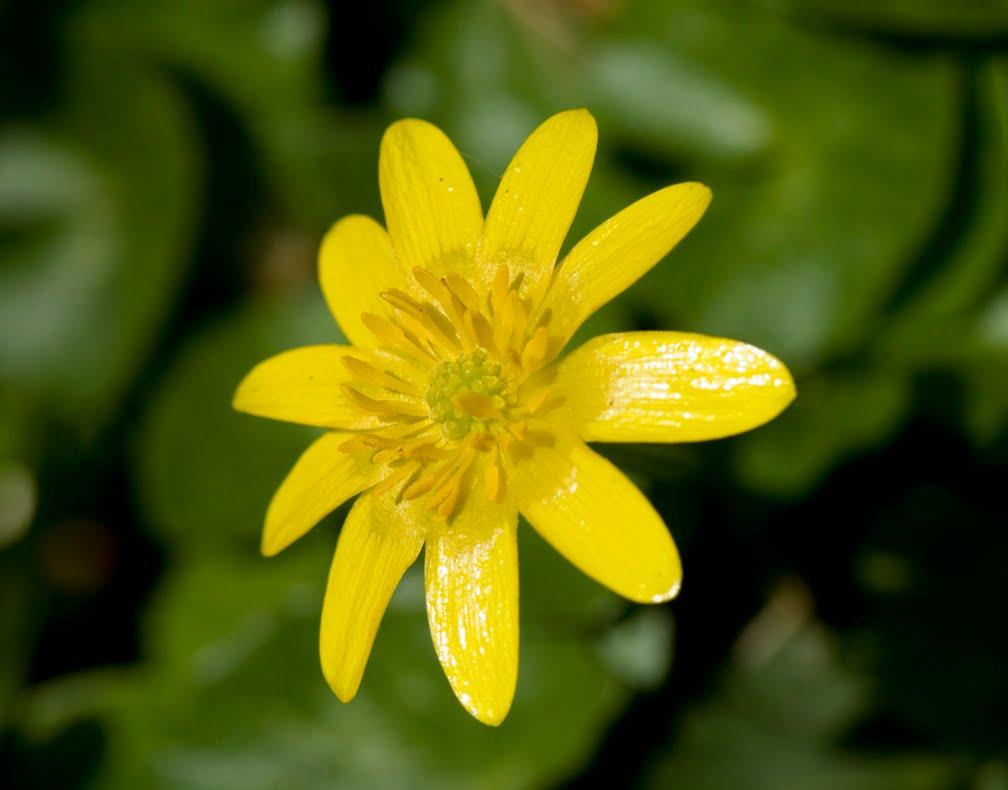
639	649
207	472
834	416
799	250
237	698
965	273
773	723
938	660
980	18
95	219
263	60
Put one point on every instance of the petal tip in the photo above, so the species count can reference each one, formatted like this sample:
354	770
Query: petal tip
669	594
492	715
269	547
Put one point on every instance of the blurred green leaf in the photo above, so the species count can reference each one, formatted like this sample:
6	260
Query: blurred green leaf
95	222
773	723
980	18
206	472
834	416
235	697
269	74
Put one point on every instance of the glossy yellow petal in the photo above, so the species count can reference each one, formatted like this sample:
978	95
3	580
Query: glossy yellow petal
431	207
668	387
619	251
593	515
304	385
357	263
471	574
323	478
537	199
379	541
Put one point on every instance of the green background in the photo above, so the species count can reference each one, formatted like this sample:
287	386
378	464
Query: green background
166	172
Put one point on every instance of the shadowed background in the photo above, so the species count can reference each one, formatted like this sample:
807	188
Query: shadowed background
167	169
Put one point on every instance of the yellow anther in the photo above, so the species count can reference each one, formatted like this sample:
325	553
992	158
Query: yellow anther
535	350
393	337
368	372
499	293
493	480
401	474
366	442
463	290
383	408
481	330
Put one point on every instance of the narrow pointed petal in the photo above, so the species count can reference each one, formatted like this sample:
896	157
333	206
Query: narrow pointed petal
378	543
323	478
593	515
304	385
471	574
537	199
431	207
356	263
619	251
668	387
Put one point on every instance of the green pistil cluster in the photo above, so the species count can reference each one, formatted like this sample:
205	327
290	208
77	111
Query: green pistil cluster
469	373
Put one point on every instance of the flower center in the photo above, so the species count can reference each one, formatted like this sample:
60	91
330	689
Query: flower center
457	419
466	393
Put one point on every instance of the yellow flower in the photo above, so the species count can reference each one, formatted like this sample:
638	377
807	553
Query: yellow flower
450	413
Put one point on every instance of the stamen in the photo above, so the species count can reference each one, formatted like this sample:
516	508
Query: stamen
393	337
499	292
402	473
418	320
534	352
368	372
383	408
426	482
444	498
493	479
463	290
364	442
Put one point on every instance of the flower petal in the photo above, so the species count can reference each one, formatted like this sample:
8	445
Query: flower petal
471	573
431	207
619	251
668	387
357	263
304	386
537	199
593	515
378	543
323	478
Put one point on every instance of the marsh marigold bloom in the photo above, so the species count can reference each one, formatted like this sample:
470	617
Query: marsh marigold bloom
451	412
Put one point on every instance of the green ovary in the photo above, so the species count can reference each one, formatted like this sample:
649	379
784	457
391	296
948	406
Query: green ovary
474	373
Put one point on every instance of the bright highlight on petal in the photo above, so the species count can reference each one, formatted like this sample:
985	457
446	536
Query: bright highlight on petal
537	199
431	206
668	387
621	250
450	414
377	545
471	575
589	512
